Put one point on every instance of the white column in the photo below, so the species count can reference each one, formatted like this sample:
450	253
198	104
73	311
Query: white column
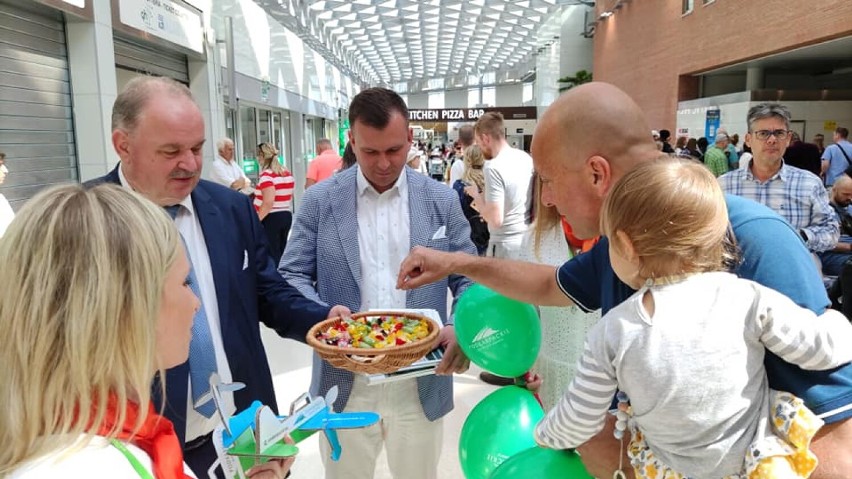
204	84
754	78
576	52
91	62
297	152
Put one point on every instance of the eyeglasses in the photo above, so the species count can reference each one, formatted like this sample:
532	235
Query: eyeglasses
764	135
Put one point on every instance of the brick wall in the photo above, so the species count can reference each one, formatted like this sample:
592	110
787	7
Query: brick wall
648	46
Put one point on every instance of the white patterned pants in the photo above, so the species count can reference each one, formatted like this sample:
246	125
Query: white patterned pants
413	443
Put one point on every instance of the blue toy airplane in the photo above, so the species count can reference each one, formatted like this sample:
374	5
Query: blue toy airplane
258	433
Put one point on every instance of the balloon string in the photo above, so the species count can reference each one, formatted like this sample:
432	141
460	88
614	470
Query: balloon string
527	377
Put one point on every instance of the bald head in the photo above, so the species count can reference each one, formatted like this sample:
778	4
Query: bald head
587	140
597	119
841	192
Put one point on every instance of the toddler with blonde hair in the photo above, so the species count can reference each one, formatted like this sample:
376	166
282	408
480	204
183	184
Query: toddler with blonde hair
686	350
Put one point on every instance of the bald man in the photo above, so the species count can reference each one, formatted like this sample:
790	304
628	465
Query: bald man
834	261
578	161
837	262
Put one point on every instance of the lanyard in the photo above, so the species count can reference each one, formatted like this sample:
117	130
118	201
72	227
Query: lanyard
137	466
575	244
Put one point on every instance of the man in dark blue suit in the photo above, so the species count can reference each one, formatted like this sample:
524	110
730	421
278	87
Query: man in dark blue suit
158	132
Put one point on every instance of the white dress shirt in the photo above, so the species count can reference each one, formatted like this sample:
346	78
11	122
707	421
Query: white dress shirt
384	234
227	172
190	228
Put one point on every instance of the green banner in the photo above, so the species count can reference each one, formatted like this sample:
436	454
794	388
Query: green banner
250	166
343	133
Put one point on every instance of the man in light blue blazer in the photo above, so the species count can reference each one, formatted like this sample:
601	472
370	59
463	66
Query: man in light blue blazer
348	240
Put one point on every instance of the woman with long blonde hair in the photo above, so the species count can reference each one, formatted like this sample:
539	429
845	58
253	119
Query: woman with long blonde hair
471	184
96	302
273	199
563	328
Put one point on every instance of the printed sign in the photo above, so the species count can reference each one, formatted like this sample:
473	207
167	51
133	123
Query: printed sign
166	19
470	114
456	114
711	125
829	125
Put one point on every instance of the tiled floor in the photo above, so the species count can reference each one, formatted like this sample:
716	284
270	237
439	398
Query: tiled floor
291	369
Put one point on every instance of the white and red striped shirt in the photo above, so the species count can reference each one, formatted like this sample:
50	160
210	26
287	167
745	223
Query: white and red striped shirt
283	185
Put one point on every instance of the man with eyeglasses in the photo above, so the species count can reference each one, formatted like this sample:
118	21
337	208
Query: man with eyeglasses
797	195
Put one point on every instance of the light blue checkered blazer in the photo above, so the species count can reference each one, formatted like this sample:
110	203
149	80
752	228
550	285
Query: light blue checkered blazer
322	261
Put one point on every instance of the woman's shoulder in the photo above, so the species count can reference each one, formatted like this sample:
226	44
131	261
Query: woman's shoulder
285	174
97	459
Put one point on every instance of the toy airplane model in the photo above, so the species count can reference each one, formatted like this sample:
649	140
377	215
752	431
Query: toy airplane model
258	433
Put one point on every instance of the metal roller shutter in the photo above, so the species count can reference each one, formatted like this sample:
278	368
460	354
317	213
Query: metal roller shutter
36	124
141	58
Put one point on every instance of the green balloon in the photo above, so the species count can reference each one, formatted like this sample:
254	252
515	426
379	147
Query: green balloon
496	333
542	464
499	427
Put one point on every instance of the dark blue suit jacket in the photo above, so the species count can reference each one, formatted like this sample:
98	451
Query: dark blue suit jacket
245	295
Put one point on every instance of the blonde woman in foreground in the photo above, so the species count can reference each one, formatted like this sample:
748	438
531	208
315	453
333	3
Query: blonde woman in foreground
686	350
97	301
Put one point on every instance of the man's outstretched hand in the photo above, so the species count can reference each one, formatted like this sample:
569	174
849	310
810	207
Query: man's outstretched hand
423	266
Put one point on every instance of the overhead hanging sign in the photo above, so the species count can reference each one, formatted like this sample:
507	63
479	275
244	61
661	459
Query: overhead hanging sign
470	114
166	19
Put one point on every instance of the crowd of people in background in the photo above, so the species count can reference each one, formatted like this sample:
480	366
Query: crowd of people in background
578	235
807	183
726	153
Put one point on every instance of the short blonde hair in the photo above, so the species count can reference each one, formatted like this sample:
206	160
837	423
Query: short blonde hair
474	161
490	124
674	212
83	272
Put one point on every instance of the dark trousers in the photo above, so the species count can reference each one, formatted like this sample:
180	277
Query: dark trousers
199	455
277	226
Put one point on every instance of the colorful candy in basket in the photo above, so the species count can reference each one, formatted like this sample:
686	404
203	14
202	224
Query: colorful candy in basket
375	332
374	342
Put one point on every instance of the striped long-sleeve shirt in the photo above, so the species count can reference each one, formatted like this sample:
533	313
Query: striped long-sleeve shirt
694	370
795	194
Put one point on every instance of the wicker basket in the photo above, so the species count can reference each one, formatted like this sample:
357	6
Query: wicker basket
373	361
